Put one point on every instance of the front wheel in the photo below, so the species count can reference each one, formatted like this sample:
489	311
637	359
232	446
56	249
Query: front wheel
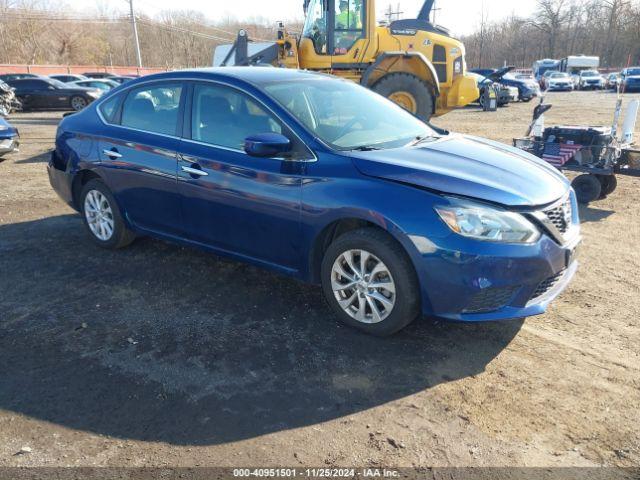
102	216
408	91
370	283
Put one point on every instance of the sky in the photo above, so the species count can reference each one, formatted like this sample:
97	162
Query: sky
459	16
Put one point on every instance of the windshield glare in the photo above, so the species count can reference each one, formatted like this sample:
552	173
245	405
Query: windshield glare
590	74
633	71
347	116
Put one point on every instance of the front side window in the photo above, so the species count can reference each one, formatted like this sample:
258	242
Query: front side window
348	116
153	109
223	116
315	26
348	25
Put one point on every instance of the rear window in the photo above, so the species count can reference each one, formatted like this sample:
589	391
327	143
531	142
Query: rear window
153	109
109	108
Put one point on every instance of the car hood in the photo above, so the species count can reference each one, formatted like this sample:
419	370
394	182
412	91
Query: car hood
468	166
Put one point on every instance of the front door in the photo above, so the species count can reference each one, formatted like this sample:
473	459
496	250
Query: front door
231	201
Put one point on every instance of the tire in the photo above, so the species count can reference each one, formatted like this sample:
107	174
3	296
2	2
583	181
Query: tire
587	188
608	184
120	235
527	99
78	102
399	84
402	276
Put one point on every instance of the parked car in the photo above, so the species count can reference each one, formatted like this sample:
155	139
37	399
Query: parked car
68	77
590	80
630	78
6	77
502	93
544	79
559	81
322	179
526	85
121	78
94	83
97	74
47	93
613	80
9	138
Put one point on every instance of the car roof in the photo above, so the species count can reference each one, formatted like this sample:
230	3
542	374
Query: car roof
253	75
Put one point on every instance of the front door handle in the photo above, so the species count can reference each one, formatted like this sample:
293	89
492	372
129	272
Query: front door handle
111	154
194	171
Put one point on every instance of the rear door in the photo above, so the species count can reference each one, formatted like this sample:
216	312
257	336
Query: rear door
138	153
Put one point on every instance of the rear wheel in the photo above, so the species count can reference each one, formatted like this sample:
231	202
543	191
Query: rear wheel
608	183
587	187
408	91
78	103
370	283
102	217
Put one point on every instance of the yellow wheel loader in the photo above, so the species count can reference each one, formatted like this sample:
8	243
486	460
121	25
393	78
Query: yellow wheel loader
413	62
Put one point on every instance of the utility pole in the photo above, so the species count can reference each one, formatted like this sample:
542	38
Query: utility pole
135	34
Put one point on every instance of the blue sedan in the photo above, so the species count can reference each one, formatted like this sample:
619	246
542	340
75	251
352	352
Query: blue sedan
324	180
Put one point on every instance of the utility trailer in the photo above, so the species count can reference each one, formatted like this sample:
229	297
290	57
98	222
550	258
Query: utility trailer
597	153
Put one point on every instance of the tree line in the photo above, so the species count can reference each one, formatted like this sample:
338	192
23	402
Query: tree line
46	32
609	29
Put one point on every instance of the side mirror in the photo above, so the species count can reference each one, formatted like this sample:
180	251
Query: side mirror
266	144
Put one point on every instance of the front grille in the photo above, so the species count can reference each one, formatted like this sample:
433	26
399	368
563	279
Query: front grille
546	285
560	216
490	299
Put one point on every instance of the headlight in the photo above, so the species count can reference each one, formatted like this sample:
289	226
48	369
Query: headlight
487	223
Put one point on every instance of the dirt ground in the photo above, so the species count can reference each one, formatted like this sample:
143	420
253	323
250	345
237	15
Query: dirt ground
159	355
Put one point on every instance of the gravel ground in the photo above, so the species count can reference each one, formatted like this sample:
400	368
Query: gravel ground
159	355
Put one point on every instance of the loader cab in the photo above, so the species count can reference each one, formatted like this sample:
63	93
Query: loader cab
335	32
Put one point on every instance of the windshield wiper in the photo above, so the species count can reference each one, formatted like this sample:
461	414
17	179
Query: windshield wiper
365	148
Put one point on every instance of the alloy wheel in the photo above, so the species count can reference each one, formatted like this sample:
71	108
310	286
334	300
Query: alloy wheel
78	103
363	286
99	215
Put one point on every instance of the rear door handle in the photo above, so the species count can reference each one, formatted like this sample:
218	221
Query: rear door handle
111	154
194	171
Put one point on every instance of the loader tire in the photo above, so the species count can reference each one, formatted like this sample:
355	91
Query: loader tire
408	91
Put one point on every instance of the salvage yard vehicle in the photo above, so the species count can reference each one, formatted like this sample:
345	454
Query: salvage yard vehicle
491	94
559	81
613	80
413	62
104	84
321	179
526	86
6	77
9	138
574	64
590	80
68	77
8	101
630	79
47	93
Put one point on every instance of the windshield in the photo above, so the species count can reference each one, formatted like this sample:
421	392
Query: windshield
559	75
633	71
347	116
589	73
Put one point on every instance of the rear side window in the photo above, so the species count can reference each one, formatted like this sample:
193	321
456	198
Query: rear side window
109	108
153	109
